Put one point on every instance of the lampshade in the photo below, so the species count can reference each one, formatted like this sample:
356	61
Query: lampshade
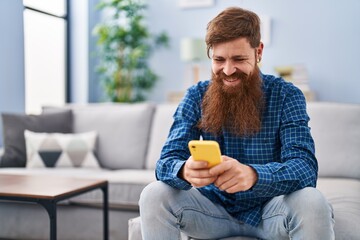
193	49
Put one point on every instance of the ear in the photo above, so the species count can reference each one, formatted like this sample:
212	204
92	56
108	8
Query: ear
259	52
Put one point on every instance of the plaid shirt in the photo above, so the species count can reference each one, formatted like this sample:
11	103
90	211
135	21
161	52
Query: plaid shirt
282	153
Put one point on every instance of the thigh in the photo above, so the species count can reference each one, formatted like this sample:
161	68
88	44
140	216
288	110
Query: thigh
293	216
274	220
201	218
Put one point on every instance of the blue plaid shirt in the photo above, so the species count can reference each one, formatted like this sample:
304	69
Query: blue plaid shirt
282	153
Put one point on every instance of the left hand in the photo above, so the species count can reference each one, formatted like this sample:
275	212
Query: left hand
233	176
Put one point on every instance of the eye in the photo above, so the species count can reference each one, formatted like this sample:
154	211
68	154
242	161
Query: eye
218	60
239	59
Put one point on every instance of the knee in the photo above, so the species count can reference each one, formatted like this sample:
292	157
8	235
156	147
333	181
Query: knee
154	195
309	200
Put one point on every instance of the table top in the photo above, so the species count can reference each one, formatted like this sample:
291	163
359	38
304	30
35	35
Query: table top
44	187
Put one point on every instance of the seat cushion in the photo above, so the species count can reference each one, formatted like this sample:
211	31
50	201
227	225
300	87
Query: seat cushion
344	196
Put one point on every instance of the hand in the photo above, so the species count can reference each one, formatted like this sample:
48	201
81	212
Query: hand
233	176
197	173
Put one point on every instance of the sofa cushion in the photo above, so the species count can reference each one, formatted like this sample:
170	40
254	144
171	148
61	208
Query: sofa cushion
123	131
14	126
335	128
344	195
60	149
125	186
160	127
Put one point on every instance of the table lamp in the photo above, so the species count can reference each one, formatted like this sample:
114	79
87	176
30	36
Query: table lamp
193	50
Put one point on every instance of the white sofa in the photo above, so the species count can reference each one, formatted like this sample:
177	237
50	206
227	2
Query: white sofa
129	144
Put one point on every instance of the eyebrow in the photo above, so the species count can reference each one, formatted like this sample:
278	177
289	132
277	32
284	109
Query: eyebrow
232	57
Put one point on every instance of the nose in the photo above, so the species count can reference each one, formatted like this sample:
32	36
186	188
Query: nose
229	68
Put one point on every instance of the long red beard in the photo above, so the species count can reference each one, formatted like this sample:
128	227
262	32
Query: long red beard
237	109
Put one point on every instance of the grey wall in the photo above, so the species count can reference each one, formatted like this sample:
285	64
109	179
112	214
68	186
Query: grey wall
11	57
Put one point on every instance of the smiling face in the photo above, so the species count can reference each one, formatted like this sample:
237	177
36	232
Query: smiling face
234	60
234	99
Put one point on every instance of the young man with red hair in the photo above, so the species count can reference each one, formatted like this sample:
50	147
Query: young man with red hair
265	185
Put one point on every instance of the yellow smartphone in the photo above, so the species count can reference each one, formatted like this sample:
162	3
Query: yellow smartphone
205	150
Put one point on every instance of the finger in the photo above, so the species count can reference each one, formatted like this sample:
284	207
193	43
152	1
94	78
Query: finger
195	164
238	187
230	183
199	173
223	179
220	168
233	189
234	184
201	182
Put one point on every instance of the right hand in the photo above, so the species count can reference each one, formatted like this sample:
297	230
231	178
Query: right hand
197	173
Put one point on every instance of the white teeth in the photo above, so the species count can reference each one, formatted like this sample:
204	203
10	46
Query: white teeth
231	80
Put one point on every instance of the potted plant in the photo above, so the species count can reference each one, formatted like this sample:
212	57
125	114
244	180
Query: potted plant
124	47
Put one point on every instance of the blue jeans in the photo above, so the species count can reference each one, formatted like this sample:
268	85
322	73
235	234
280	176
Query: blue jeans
165	212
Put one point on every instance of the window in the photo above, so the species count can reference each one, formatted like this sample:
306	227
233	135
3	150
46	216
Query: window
46	53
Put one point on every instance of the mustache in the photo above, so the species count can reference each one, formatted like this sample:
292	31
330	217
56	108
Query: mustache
238	74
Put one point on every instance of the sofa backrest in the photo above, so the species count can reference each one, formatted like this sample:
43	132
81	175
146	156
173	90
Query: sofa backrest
335	128
123	131
132	135
162	121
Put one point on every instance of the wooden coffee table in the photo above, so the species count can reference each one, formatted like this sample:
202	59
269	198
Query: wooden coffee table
48	191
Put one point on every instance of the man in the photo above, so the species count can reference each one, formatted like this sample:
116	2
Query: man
265	186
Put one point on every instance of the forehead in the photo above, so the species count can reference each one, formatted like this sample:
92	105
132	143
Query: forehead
239	46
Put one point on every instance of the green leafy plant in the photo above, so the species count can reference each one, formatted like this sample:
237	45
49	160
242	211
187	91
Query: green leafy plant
124	47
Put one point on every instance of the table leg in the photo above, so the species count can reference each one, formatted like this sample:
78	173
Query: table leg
50	207
106	211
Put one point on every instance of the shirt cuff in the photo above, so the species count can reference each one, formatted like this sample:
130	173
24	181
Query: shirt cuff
264	175
180	183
